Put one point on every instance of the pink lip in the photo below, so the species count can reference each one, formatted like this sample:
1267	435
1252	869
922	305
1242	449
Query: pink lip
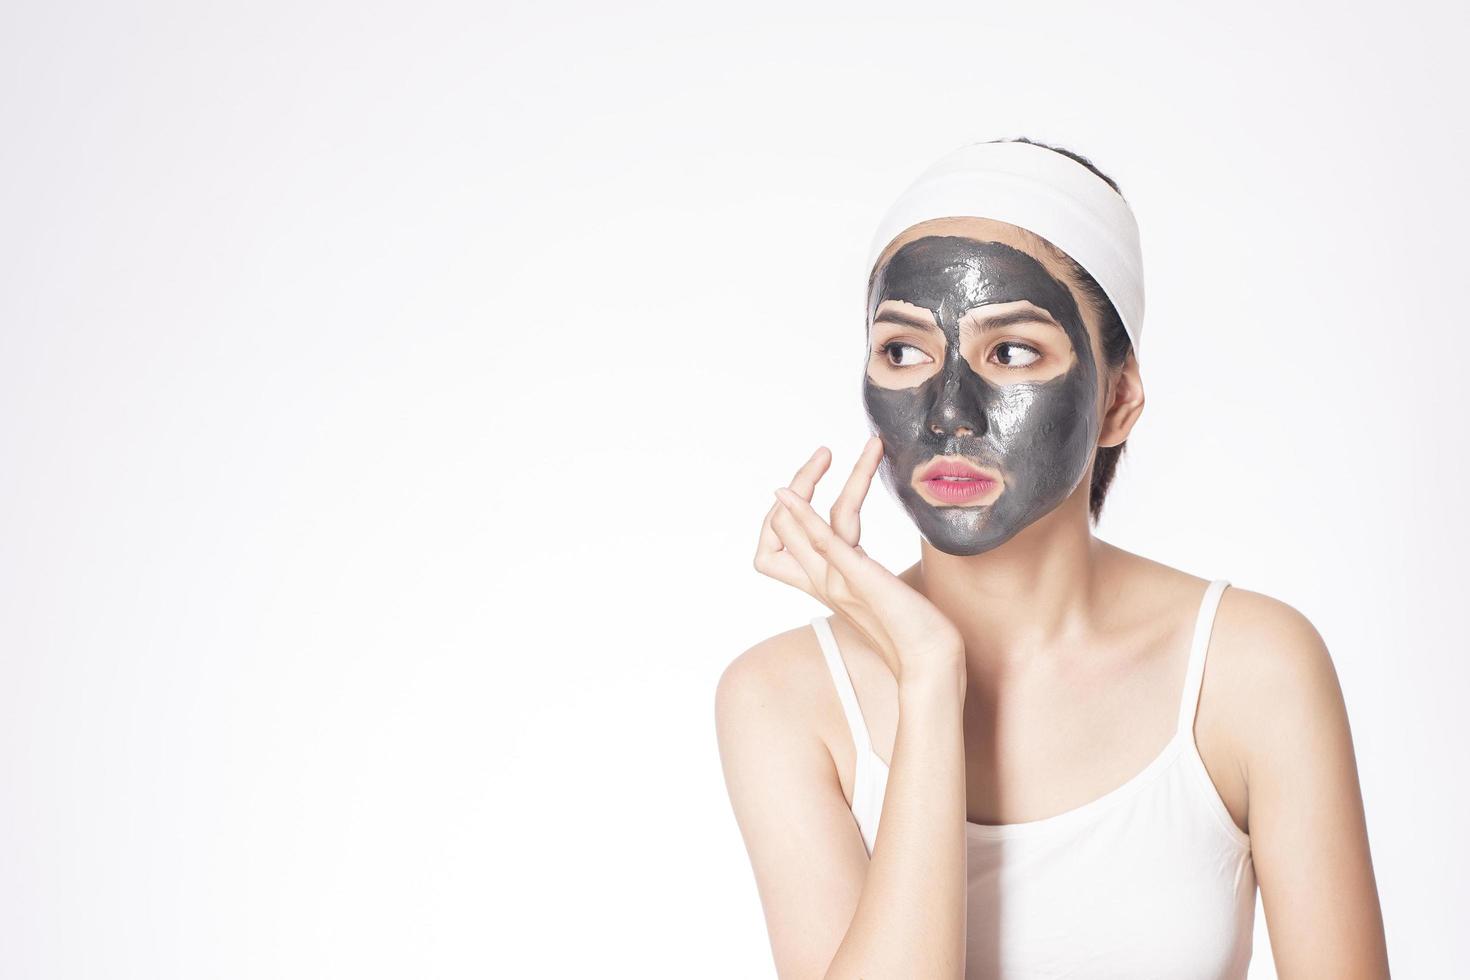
954	480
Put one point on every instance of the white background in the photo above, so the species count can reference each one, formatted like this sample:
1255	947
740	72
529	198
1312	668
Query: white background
390	395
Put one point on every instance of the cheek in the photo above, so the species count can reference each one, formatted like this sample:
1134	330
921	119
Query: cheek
1054	430
1016	414
1049	415
898	414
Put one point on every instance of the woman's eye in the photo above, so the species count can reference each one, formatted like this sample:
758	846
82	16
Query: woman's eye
1017	355
888	349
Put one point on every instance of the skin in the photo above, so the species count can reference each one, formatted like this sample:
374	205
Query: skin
1072	653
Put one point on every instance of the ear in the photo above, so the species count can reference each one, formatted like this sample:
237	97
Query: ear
1124	406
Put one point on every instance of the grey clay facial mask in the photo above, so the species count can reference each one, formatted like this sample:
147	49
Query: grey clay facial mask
1040	435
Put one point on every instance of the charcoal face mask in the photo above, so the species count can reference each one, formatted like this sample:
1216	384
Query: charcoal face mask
1040	435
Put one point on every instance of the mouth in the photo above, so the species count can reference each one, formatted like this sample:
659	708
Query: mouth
952	480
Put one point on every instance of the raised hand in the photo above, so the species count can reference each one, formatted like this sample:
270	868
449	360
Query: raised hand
826	562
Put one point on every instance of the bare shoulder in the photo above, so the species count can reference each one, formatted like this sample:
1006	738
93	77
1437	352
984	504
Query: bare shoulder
1272	668
1270	645
1255	639
1308	831
777	696
776	676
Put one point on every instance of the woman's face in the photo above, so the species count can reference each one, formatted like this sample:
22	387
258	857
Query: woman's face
979	358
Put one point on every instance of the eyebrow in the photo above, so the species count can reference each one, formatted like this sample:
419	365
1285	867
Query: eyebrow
907	319
984	322
998	321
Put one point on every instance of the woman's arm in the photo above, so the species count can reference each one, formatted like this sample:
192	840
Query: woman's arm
830	911
1309	836
910	919
903	913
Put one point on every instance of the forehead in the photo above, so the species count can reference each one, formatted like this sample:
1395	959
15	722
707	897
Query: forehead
980	229
990	230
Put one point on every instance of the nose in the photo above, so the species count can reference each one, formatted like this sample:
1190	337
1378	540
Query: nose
958	431
956	412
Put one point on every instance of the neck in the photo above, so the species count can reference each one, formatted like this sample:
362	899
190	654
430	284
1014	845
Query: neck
1031	595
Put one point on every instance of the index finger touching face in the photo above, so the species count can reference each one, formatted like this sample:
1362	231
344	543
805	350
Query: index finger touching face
848	505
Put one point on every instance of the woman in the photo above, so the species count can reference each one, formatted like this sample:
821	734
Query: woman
1031	754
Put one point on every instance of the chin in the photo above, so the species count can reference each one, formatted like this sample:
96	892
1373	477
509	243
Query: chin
966	532
966	548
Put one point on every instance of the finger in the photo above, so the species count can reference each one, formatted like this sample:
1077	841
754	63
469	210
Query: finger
798	543
852	564
772	558
768	540
804	483
783	567
771	551
849	503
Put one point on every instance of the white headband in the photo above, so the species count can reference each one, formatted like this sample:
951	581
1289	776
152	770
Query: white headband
1043	191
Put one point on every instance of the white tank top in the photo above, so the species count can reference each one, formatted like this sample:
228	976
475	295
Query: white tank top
1151	879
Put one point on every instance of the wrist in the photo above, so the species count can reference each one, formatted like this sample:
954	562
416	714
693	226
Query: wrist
942	677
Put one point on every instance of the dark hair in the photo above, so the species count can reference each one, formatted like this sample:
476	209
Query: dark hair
1115	340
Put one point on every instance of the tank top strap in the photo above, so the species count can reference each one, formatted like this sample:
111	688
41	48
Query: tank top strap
1195	673
843	681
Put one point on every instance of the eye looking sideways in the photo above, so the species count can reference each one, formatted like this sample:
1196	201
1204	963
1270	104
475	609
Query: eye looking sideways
982	382
1012	337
